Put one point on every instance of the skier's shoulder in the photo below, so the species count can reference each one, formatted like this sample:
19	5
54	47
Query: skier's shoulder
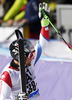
9	70
5	76
9	75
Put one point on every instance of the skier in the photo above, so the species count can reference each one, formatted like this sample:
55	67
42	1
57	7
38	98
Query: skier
10	79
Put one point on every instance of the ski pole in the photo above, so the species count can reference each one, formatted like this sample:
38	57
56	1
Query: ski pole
22	94
45	16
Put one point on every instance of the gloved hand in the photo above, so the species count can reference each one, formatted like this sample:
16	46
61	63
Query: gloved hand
43	14
21	96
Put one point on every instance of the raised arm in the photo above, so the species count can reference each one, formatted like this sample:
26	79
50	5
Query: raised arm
44	35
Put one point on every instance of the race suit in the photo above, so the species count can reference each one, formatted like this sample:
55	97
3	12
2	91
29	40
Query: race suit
10	84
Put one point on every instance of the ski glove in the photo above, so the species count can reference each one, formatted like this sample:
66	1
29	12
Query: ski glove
43	14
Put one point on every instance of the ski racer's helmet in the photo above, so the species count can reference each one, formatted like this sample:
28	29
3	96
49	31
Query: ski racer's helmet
14	49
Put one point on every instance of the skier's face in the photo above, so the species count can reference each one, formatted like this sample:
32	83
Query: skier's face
28	62
30	58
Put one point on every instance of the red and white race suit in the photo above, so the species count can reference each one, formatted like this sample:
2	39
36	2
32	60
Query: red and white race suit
10	79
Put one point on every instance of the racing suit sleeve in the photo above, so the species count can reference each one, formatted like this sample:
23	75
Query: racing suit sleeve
41	45
5	86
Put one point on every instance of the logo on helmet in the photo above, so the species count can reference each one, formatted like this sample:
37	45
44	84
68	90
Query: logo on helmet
16	44
15	51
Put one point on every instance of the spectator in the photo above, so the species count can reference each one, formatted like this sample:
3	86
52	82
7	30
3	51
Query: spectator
31	17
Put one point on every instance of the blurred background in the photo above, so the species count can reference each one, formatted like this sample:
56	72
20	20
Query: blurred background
53	70
23	14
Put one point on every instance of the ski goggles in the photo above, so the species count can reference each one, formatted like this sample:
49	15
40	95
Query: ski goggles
31	55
